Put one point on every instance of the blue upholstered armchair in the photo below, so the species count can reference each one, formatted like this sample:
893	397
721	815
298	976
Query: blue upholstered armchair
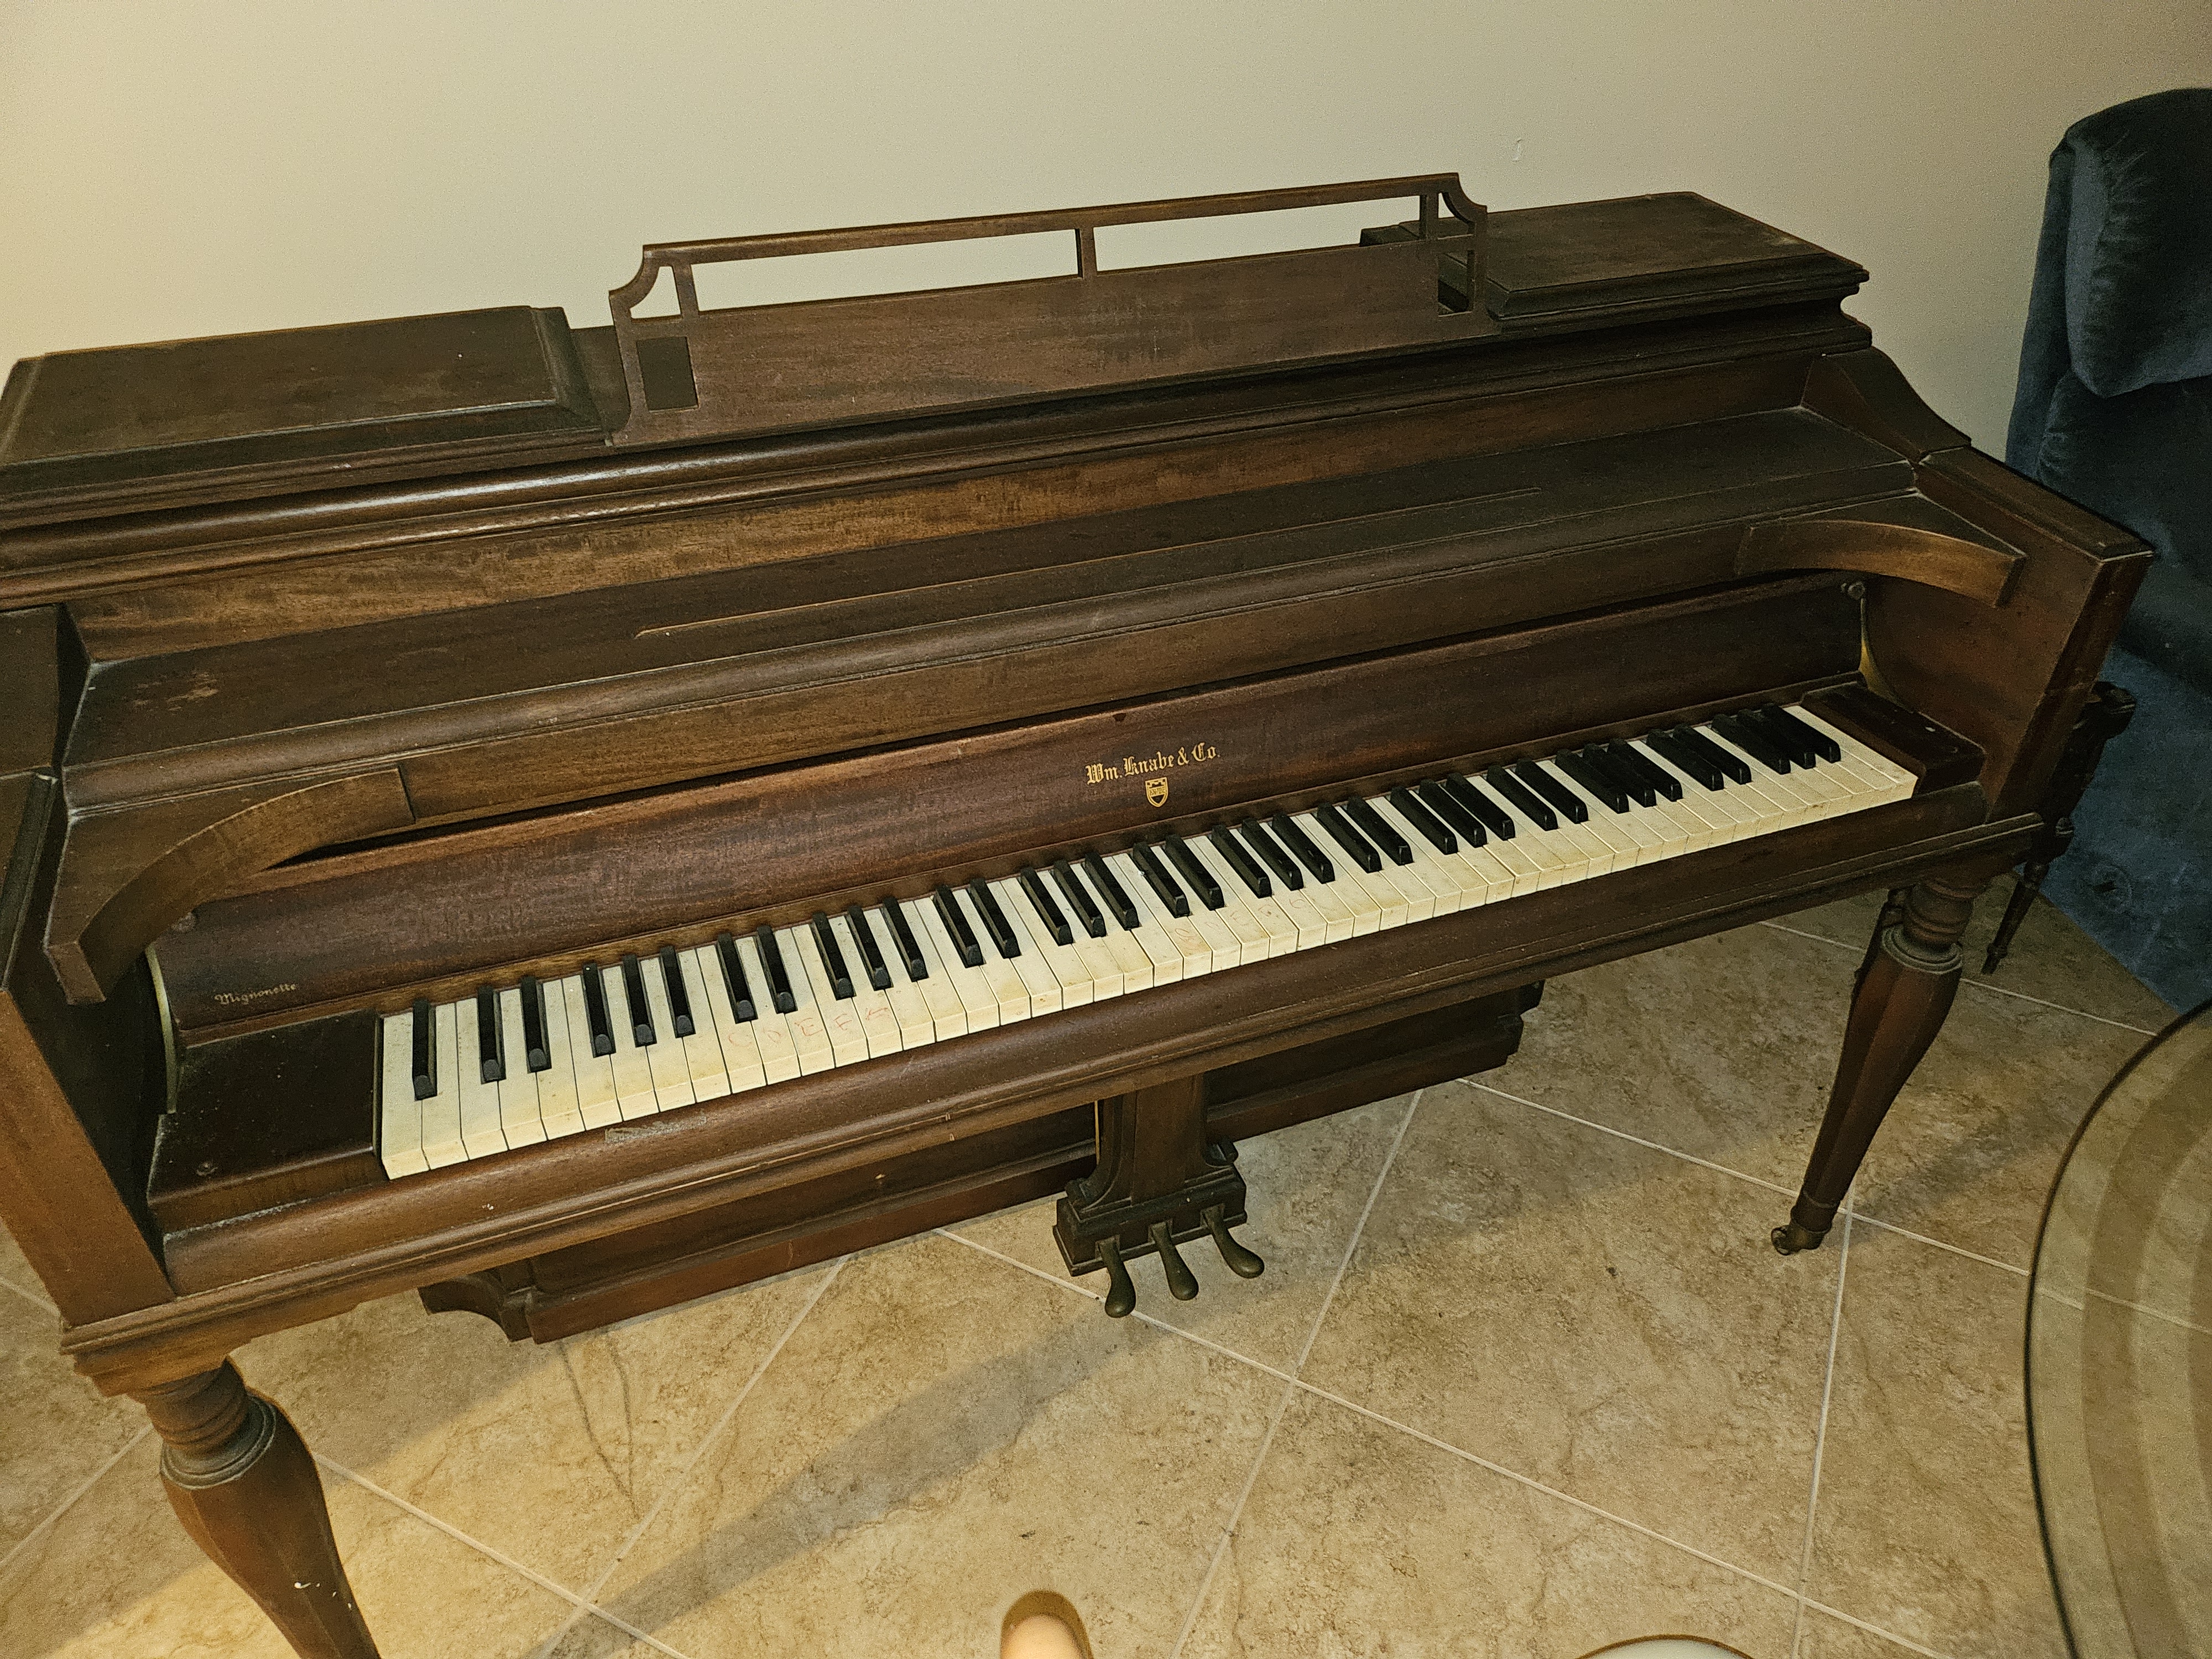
2115	410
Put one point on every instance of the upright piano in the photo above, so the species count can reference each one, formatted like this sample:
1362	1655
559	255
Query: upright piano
570	820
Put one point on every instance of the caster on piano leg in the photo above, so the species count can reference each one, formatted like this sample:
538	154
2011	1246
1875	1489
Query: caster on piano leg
1159	1183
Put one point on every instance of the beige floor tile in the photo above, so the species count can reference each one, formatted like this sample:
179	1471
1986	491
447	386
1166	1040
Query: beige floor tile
117	1578
1601	1317
1305	1187
1722	1047
17	1272
494	1436
1824	1635
56	1429
2051	958
1969	1151
943	1433
1926	1521
1360	1539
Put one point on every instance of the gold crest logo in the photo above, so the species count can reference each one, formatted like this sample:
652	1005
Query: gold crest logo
1156	791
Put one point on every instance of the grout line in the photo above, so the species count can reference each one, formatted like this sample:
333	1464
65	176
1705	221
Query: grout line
576	1601
676	1481
1968	979
1955	1249
84	1487
1820	1434
1904	1642
1313	1332
1623	1135
32	1296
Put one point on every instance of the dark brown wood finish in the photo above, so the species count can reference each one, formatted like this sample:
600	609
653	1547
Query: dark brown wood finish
385	661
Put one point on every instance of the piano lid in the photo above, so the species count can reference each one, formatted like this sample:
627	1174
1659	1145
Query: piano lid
92	433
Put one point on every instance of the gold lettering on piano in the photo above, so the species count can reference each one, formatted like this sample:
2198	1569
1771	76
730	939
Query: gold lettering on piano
1148	766
239	998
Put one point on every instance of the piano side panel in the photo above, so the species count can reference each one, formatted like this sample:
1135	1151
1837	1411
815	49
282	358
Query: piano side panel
367	926
80	1089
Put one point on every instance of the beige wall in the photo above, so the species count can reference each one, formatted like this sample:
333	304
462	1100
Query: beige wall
175	169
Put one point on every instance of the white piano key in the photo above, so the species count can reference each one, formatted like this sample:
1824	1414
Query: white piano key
442	1114
1256	940
1046	995
1194	946
1724	819
559	1107
1797	807
1454	890
1299	910
1870	761
948	1012
915	1004
1419	896
770	1027
479	1101
739	1055
879	1026
663	1056
1554	862
1373	907
519	1121
1603	824
1069	966
1328	905
1130	960
707	1070
635	1085
1524	871
598	1099
1169	963
399	1114
807	1022
978	1000
840	1019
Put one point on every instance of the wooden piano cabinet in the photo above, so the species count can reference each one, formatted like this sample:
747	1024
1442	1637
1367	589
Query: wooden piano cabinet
346	666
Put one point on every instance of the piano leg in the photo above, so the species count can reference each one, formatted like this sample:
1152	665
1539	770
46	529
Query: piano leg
241	1480
1904	990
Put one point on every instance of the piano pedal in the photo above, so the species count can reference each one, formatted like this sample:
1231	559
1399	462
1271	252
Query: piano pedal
1160	1183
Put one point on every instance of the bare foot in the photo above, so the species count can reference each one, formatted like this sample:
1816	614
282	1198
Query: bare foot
1043	1626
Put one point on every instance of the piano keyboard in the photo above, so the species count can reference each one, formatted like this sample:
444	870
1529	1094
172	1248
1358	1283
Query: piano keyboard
515	1064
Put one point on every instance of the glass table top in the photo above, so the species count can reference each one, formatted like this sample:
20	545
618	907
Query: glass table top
2119	1360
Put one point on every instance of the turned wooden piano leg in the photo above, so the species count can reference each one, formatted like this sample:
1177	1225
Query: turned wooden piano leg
1905	989
241	1480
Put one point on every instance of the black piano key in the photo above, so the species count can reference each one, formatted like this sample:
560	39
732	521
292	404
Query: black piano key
1781	720
1194	871
1284	866
955	926
640	1010
595	1011
491	1051
1341	832
1162	883
1446	807
1372	825
1598	783
1793	737
1117	902
1300	847
426	1051
909	949
1699	769
1043	907
993	920
1079	900
733	978
833	959
1624	775
1470	795
1568	804
1752	741
1517	795
871	955
1427	825
679	994
1731	767
1645	766
779	976
537	1052
1241	862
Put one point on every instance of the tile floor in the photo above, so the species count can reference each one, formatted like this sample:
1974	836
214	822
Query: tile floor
1522	1378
